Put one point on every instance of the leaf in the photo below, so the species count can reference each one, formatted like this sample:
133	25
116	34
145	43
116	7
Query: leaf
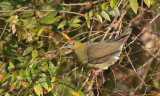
80	93
41	31
134	5
86	16
65	35
113	3
14	24
87	19
51	35
90	14
34	53
114	12
76	20
24	84
49	19
62	24
45	81
74	93
99	17
148	3
21	32
13	86
29	37
37	90
104	6
11	64
28	74
105	15
7	94
56	19
27	14
27	51
152	1
14	77
66	9
22	74
2	76
75	25
11	18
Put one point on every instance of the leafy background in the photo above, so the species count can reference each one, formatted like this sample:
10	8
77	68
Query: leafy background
33	60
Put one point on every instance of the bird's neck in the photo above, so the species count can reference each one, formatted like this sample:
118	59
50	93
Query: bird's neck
82	55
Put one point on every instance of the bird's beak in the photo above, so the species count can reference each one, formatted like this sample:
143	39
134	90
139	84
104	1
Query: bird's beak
68	46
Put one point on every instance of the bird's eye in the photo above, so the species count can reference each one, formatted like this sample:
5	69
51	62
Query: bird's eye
73	44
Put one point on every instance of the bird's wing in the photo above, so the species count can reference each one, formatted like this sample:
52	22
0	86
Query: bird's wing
101	52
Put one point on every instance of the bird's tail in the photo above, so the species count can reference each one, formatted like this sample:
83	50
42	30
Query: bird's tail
127	31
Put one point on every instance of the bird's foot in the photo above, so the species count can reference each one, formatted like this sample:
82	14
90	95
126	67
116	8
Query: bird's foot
96	72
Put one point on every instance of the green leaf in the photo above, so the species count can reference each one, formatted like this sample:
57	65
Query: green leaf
114	12
21	65
134	5
147	2
27	50
7	94
28	73
76	20
99	17
27	14
113	3
11	18
75	25
34	72
49	19
14	77
105	15
90	14
62	24
56	19
11	64
45	81
87	19
104	6
22	74
81	93
66	9
34	53
86	16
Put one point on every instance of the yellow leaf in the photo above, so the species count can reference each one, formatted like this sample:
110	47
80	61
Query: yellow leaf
24	84
53	79
2	76
66	36
51	34
41	31
37	90
113	3
50	88
152	1
148	3
13	86
74	93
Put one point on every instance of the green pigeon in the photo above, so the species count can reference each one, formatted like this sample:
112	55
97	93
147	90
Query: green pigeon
100	55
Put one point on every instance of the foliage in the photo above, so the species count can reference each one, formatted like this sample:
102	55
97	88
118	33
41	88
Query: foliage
33	33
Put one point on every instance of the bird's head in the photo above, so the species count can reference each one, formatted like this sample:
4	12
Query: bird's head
74	45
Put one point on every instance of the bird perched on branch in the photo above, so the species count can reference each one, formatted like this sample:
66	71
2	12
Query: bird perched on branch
100	55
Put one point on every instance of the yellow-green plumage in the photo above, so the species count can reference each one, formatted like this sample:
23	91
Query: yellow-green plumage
99	55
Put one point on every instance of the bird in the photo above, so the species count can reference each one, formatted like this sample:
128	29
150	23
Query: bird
99	55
